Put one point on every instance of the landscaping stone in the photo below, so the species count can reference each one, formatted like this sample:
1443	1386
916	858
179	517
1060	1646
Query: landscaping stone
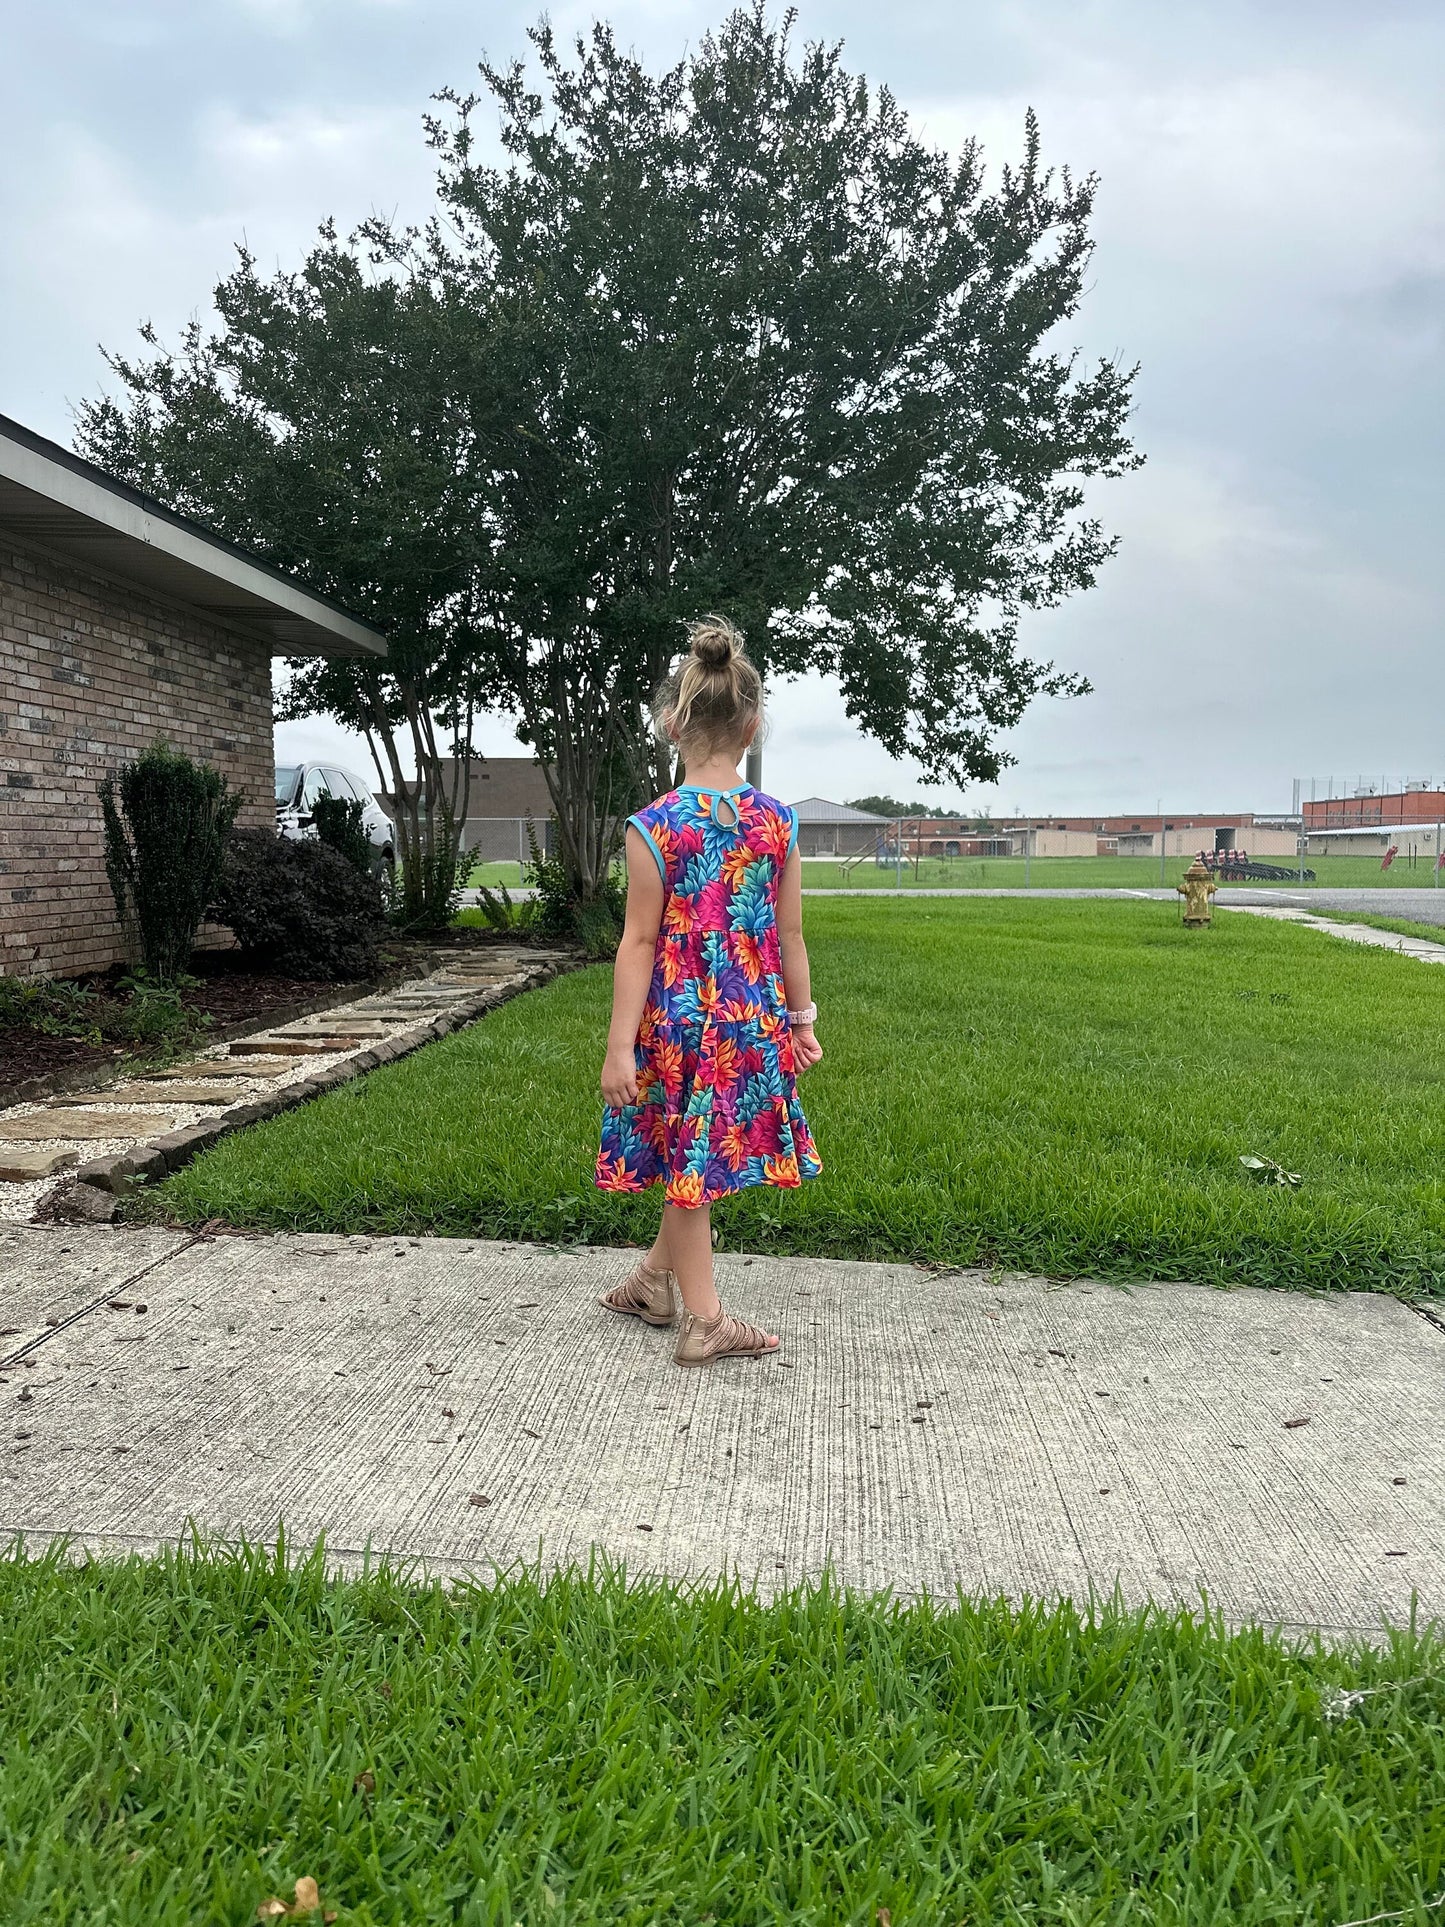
212	1067
22	1167
144	1164
179	1147
288	1047
82	1204
363	1027
171	1092
63	1124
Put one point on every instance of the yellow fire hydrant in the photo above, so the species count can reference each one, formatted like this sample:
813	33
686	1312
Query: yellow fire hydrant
1196	889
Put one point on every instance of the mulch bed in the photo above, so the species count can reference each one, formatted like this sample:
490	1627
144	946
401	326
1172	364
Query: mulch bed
233	995
33	1065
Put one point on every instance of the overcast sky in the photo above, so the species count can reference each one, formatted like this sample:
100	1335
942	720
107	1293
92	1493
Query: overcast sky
1271	248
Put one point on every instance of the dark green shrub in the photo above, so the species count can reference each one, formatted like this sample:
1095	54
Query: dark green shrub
559	917
166	820
598	930
300	909
339	825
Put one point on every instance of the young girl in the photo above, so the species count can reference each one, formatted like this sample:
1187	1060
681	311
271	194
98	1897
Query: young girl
711	1006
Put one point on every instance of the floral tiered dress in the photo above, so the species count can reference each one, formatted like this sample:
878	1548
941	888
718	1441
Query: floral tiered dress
717	1101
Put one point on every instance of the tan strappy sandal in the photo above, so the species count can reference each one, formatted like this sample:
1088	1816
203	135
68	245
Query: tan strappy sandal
702	1341
643	1293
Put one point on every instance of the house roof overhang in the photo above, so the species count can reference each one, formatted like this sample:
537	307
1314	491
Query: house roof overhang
58	499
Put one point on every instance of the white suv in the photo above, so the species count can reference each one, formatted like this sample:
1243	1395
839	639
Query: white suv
299	784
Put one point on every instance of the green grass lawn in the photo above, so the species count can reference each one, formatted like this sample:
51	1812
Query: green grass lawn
494	873
1097	873
1054	873
181	1739
1065	1087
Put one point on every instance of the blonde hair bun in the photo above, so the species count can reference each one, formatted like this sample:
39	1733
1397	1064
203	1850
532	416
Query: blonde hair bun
712	698
714	641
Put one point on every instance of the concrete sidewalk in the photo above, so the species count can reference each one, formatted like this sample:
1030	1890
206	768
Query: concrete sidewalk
468	1404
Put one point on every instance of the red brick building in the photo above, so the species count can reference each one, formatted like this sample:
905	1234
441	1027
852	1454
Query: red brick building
1388	808
120	622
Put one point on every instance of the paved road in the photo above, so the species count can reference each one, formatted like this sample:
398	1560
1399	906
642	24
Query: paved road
1002	1435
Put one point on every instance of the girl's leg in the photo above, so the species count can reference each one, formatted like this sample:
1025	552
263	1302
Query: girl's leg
686	1235
657	1258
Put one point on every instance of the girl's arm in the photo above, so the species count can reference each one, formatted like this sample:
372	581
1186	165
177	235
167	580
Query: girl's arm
797	979
632	972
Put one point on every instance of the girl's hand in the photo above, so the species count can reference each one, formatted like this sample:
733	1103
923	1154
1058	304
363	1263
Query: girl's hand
619	1078
807	1051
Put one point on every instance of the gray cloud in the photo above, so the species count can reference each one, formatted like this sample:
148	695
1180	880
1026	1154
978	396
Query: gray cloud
1270	248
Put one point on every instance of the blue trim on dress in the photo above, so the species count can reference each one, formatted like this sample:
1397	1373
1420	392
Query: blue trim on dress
637	824
792	835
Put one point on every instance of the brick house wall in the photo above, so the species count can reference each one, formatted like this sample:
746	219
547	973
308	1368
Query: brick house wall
91	672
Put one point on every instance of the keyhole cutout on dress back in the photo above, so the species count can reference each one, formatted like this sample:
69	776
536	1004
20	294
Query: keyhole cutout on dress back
730	821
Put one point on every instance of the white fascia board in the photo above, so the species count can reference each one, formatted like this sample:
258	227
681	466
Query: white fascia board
55	482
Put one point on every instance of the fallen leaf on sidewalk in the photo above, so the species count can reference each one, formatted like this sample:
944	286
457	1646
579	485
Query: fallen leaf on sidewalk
118	1304
1291	1424
479	1498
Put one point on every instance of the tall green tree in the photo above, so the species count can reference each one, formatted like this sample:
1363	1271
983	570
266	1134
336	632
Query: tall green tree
728	337
780	358
317	425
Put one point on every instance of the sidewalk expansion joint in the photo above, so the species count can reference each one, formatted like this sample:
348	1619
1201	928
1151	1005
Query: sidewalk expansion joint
111	1291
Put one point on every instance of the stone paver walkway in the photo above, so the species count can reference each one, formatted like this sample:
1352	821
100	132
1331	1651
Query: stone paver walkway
467	1403
238	1082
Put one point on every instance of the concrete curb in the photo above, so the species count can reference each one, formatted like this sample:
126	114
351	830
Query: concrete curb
159	1157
